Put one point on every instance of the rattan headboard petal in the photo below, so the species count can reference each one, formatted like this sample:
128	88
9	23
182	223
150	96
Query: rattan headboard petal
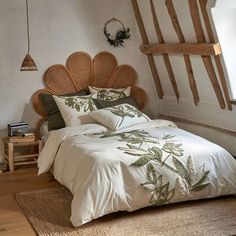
81	71
125	76
80	64
105	65
59	79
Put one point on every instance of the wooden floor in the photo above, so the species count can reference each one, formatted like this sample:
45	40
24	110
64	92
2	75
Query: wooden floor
12	220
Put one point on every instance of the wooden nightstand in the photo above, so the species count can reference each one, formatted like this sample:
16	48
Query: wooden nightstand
23	153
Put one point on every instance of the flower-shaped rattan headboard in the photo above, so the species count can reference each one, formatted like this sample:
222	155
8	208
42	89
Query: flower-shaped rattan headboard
81	71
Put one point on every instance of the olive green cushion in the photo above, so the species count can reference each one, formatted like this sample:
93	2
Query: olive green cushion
103	104
55	120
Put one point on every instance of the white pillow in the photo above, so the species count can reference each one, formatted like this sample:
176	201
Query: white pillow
109	94
119	116
75	109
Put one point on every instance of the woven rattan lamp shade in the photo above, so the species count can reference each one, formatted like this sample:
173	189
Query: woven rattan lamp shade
28	64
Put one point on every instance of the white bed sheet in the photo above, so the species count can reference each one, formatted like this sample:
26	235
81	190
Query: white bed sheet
149	164
44	132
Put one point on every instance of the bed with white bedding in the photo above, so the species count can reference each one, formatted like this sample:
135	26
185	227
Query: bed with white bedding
113	157
149	164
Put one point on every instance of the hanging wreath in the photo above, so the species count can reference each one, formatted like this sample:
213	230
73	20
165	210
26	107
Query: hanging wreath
118	39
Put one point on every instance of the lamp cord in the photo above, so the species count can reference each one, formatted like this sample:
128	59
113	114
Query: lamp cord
27	18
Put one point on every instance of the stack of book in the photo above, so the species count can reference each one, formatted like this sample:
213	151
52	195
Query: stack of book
25	138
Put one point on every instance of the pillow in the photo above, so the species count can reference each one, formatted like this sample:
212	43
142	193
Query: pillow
75	109
109	94
119	117
55	120
103	104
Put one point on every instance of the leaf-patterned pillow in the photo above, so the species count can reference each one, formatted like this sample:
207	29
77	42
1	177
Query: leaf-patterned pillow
109	94
75	109
119	117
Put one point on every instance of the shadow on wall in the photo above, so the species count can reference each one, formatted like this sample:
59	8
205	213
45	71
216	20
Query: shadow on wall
28	115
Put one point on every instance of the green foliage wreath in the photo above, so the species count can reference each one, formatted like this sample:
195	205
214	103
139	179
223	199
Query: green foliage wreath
118	39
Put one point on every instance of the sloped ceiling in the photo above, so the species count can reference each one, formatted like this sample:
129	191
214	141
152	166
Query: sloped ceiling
208	110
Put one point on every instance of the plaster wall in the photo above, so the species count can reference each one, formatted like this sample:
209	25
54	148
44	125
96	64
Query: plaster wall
225	3
224	20
59	28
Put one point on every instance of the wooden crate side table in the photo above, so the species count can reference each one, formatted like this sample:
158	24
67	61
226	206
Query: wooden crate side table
15	159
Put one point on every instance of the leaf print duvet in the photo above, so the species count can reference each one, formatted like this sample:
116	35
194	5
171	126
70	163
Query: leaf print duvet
146	165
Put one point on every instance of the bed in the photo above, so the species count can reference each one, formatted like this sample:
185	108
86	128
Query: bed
124	161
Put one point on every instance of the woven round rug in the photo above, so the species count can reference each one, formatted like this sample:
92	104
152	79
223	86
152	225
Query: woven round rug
49	213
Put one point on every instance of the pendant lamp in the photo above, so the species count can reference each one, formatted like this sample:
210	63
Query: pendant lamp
28	63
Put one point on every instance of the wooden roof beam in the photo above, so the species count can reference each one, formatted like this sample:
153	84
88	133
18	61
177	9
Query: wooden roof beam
150	58
206	49
187	61
193	6
165	56
203	6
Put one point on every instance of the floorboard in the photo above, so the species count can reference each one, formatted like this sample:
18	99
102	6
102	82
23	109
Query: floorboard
12	220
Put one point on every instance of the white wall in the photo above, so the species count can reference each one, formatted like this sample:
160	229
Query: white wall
225	3
224	20
59	28
208	110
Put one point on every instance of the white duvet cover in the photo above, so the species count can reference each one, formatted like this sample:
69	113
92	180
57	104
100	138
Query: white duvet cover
149	164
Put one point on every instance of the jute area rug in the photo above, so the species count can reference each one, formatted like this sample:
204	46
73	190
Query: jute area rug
49	213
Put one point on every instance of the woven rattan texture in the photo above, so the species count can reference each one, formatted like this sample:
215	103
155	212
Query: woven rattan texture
81	71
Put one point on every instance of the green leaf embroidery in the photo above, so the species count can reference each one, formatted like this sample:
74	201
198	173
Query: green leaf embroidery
133	137
202	179
171	194
118	113
190	167
148	186
142	161
199	188
136	112
110	95
126	111
133	150
160	193
157	152
138	144
168	137
173	148
77	107
130	115
151	174
182	170
91	105
80	103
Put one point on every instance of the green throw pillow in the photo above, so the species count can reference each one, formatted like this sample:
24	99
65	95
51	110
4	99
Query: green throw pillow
103	104
55	120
